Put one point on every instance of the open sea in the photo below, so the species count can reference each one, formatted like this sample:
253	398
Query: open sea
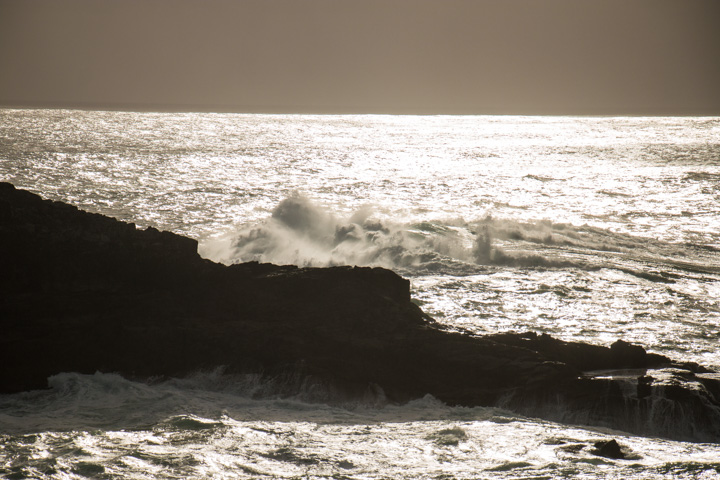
590	229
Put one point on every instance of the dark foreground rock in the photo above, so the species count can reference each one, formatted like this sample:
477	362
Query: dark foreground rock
82	292
608	449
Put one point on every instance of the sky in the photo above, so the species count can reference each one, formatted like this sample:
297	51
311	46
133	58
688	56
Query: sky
578	57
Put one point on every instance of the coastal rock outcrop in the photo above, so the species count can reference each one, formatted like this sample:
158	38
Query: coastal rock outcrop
83	292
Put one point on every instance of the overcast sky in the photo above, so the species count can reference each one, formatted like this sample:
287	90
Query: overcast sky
404	56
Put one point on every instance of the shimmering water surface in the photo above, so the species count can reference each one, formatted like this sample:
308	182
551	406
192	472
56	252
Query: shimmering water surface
590	229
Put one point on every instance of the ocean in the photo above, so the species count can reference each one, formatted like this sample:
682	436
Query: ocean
589	229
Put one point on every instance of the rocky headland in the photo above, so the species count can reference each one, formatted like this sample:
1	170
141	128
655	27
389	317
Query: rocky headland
83	292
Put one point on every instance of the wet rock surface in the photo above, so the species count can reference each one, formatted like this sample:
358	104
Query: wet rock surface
608	449
83	292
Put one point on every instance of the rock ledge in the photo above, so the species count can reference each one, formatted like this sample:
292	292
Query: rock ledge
86	293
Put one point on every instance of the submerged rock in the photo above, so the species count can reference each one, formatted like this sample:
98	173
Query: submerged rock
82	292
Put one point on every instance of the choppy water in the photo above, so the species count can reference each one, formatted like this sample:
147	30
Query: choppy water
590	229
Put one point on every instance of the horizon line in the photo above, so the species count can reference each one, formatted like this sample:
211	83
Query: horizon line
346	110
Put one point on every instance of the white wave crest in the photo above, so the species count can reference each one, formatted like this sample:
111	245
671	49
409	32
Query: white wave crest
302	233
299	232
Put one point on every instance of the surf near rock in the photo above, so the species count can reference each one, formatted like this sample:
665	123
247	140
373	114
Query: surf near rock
86	293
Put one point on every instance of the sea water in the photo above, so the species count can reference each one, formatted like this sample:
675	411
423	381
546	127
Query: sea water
589	229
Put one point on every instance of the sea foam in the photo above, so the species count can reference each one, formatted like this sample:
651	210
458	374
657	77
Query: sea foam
301	232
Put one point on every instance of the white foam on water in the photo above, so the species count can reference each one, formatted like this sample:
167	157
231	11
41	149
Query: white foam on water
210	425
303	233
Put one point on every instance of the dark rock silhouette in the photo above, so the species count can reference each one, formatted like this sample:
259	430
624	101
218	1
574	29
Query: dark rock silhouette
608	449
83	292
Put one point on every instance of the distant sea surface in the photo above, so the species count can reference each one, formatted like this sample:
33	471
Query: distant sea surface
588	229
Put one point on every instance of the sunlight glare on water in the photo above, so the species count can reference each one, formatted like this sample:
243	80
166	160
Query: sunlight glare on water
601	171
636	195
589	229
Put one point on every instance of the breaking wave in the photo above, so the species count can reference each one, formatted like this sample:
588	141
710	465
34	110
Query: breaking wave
302	233
299	232
108	400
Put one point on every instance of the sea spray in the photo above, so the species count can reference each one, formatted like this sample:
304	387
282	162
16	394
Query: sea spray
301	232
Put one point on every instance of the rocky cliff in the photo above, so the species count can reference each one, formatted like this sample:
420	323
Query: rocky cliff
83	292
